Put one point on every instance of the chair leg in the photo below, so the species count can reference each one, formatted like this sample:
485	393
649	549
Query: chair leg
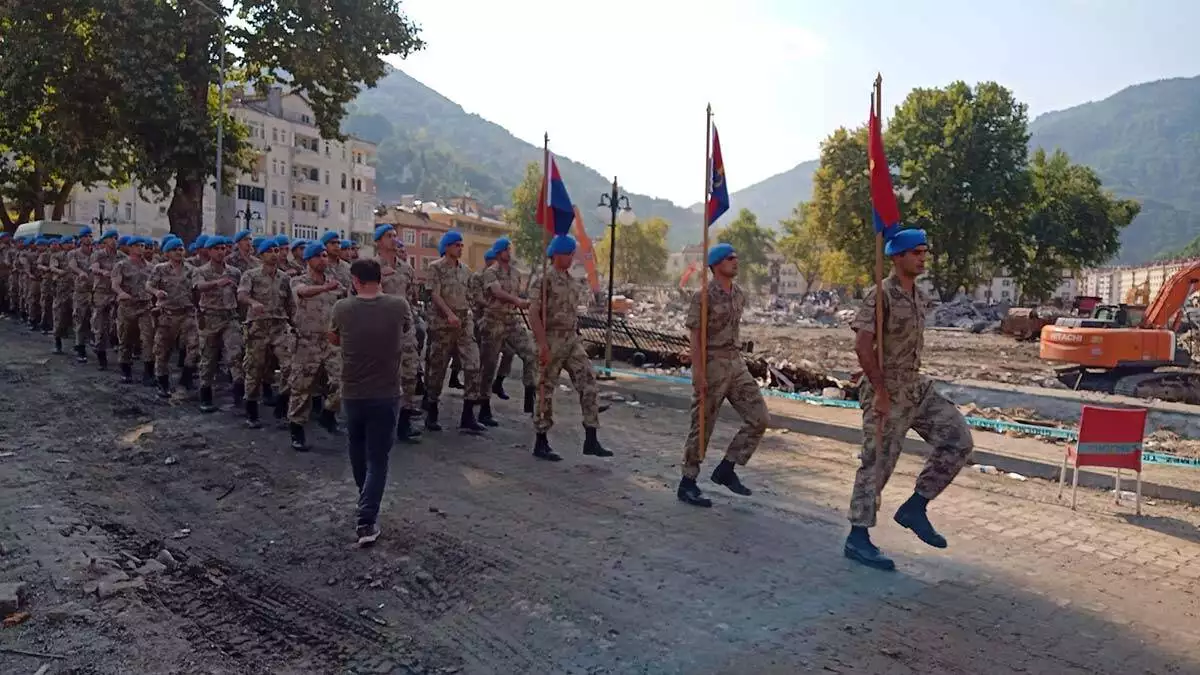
1117	491
1139	493
1062	476
1074	485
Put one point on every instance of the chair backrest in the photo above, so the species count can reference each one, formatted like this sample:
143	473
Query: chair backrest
1111	437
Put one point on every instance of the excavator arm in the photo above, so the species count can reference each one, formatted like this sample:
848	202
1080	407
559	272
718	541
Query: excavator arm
1171	298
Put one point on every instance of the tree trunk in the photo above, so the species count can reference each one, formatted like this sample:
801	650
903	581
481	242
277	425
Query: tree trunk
60	201
9	225
186	211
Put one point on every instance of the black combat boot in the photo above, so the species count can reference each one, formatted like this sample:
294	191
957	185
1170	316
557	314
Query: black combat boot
456	378
725	475
187	378
542	449
404	429
81	354
860	549
148	374
485	414
467	423
102	359
911	515
239	394
268	394
281	405
127	372
498	389
251	408
297	433
58	345
206	400
530	399
431	416
164	386
591	445
328	421
689	493
318	404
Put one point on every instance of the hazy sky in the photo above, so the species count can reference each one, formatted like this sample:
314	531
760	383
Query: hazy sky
621	85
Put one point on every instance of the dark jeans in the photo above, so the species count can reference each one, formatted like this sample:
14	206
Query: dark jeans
370	428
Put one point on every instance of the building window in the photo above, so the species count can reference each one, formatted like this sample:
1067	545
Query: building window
293	201
314	175
275	134
306	119
274	197
325	211
304	231
251	193
410	237
343	208
128	212
327	178
343	181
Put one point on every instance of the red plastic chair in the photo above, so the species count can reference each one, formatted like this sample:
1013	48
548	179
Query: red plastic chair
1108	437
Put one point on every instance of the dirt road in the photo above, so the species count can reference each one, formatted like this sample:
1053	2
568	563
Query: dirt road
492	562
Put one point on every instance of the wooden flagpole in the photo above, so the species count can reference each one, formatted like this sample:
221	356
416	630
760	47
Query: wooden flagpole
545	258
880	420
702	367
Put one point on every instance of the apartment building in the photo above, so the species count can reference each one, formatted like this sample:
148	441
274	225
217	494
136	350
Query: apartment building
300	184
480	227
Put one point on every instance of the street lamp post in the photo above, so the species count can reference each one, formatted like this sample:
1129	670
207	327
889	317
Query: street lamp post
249	215
100	221
617	206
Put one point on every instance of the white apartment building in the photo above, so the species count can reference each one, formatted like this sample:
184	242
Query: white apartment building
300	184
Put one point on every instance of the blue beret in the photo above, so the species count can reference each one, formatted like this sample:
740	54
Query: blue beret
191	248
213	241
85	232
169	237
141	241
253	242
561	245
312	250
172	244
904	241
489	255
502	244
241	235
346	243
109	235
296	243
282	240
381	230
451	237
719	253
328	237
3	235
124	240
265	245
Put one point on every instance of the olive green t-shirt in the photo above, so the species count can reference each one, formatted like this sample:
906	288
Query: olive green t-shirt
370	331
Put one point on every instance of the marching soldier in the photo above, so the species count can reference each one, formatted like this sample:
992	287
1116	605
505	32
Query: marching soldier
348	250
398	278
340	269
6	249
220	329
724	377
79	263
451	332
64	289
171	283
295	261
552	314
198	252
265	291
895	398
134	301
104	298
51	250
33	282
242	256
16	278
314	295
501	329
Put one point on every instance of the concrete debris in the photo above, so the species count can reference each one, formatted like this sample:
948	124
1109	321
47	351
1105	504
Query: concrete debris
962	312
1169	441
12	597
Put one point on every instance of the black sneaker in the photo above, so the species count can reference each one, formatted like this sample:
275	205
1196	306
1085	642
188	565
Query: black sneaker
367	534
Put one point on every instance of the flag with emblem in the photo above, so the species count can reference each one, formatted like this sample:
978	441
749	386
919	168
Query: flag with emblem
718	192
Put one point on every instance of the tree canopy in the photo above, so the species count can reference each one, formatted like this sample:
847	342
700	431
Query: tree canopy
641	251
528	238
752	243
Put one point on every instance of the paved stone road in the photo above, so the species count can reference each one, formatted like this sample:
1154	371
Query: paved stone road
494	563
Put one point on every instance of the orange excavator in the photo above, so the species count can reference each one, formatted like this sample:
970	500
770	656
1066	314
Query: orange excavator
1124	349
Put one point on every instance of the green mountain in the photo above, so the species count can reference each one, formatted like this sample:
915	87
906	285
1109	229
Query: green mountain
430	147
1144	142
773	199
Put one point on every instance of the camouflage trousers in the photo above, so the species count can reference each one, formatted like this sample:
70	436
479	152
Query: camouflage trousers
220	339
311	355
504	335
916	406
103	307
174	328
264	337
566	353
444	342
32	301
419	330
5	305
49	287
728	379
135	327
410	368
81	317
14	291
62	314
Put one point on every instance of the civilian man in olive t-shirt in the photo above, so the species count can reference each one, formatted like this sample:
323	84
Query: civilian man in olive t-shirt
369	326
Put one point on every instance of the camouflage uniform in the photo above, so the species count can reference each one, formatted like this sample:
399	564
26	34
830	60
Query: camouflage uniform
501	329
313	352
914	405
340	270
566	349
220	330
64	288
103	296
49	284
243	262
398	280
133	314
266	330
78	262
727	377
449	279
6	248
33	285
176	316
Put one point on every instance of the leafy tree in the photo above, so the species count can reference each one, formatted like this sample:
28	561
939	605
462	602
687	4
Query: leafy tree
1072	223
641	251
529	239
839	214
752	243
962	153
802	245
836	270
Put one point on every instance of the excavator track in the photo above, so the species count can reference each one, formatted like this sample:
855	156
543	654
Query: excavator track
1180	386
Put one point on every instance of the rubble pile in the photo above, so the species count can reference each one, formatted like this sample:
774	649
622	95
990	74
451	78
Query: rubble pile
962	312
802	377
1169	441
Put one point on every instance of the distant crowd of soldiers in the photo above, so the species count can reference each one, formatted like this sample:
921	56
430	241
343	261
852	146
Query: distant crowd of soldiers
258	310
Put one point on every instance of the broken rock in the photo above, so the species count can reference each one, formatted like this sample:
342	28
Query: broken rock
12	597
